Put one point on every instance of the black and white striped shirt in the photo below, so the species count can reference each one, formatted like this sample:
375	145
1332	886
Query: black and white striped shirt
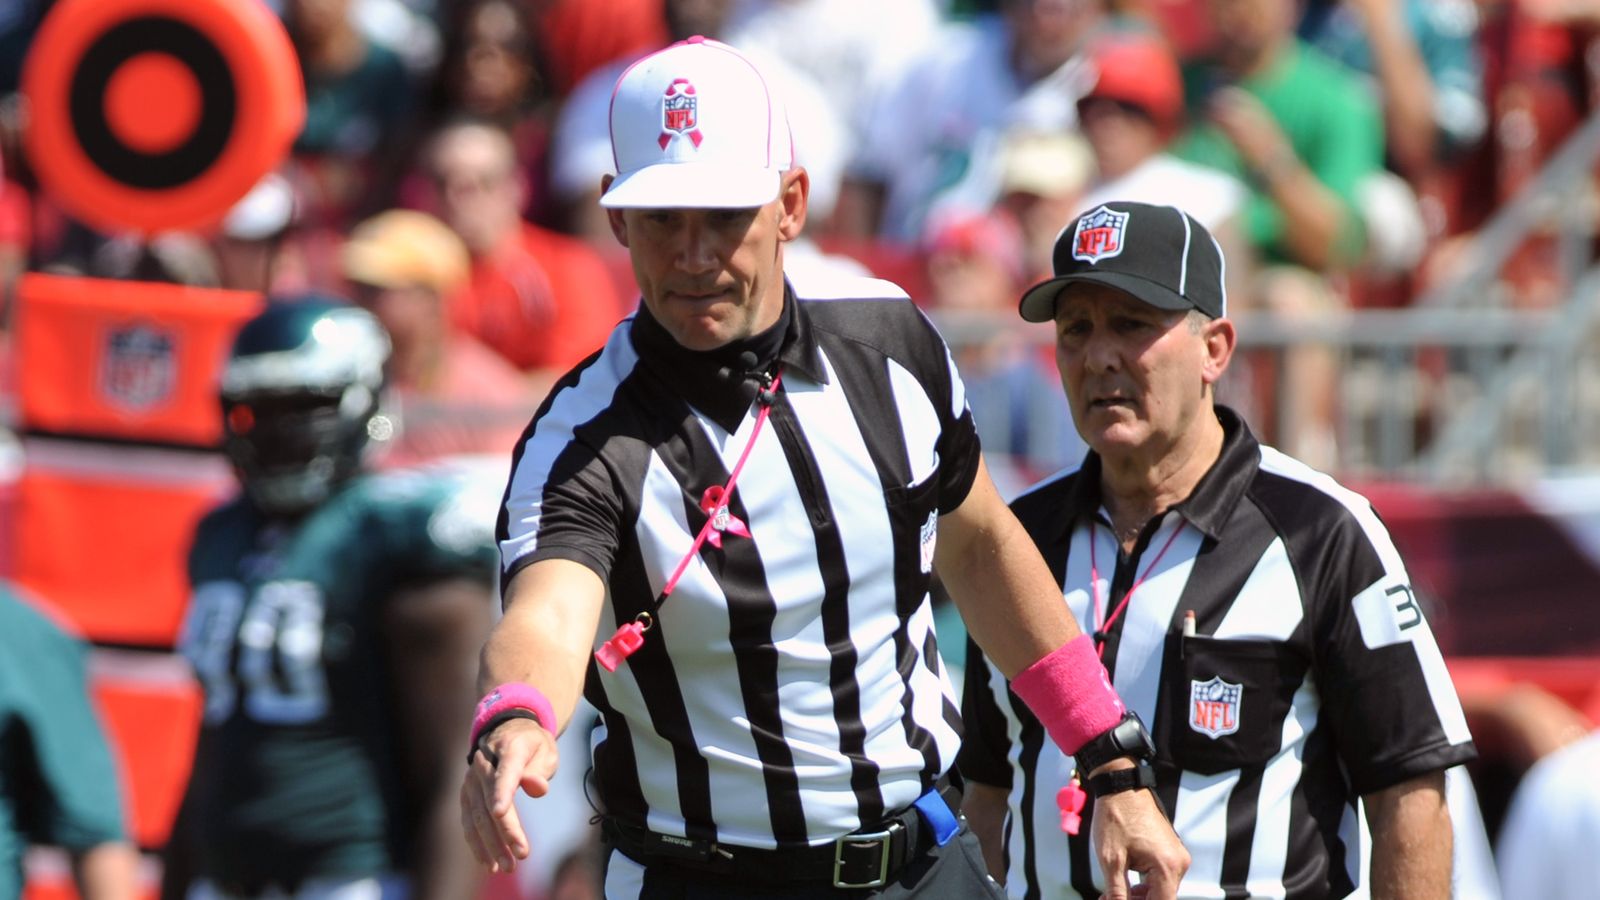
1312	678
792	690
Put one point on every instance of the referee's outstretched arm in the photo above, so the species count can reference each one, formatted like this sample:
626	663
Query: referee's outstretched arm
1012	607
552	608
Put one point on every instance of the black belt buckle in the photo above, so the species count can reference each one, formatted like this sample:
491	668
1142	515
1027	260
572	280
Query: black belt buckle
870	851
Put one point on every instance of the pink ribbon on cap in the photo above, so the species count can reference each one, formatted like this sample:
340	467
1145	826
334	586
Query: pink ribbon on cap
690	114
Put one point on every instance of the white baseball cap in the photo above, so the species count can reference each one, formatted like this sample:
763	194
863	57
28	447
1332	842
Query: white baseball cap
697	126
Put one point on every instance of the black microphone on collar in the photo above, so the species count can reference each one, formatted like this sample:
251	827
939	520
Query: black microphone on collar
753	384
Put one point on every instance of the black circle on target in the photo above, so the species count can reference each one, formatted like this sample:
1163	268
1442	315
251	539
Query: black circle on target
204	145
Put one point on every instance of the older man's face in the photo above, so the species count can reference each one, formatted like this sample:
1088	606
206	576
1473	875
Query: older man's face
1134	374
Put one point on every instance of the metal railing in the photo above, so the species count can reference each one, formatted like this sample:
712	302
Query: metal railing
1464	385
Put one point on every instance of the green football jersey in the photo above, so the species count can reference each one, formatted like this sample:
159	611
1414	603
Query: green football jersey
297	772
58	784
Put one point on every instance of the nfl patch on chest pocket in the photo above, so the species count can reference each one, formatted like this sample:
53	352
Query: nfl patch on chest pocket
929	537
1223	701
1214	707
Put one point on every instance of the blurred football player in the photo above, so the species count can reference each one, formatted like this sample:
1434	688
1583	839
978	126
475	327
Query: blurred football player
333	625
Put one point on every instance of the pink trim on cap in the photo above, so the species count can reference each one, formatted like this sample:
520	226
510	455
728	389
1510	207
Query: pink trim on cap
512	695
1070	693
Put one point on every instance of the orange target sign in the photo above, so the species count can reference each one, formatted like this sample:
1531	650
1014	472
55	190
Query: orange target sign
149	115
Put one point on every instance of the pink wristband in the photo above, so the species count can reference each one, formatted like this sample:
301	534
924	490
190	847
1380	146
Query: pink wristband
1069	691
509	696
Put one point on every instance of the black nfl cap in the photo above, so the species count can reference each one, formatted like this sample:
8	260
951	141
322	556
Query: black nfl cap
1159	254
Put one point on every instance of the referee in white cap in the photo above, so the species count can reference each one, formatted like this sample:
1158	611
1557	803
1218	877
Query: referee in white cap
723	527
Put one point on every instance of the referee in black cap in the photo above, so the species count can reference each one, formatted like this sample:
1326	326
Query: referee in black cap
1248	608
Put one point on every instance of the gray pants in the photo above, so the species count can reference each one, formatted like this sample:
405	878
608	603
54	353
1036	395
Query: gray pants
952	872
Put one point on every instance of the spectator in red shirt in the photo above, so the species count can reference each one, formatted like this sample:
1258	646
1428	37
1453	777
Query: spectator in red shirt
543	300
578	36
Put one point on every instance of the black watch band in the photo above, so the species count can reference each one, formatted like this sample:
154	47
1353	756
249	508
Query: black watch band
1118	780
494	722
1128	738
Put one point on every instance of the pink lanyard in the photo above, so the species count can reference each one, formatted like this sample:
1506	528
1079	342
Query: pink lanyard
1103	624
714	503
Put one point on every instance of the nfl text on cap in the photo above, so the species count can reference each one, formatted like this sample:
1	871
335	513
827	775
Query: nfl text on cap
1157	254
697	126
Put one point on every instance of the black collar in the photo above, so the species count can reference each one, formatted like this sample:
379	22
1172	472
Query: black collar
701	378
1213	500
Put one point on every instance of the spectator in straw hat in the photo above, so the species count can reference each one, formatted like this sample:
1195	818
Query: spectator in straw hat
451	394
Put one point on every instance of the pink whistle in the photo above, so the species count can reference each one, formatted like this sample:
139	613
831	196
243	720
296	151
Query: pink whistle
1071	799
628	638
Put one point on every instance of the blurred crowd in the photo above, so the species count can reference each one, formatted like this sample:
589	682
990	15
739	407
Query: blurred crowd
1345	148
1344	151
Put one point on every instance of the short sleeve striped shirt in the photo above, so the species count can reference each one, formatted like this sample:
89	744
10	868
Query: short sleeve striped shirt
792	690
1312	677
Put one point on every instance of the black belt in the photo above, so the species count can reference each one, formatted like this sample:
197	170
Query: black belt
867	858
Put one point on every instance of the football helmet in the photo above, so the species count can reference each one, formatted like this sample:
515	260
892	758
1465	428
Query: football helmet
299	394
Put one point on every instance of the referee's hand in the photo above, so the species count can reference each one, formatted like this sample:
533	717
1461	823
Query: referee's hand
1132	834
517	753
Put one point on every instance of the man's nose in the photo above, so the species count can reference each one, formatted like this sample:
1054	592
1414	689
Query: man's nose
698	252
1100	352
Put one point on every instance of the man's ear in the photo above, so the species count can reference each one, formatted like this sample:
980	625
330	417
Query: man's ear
794	193
1220	339
619	227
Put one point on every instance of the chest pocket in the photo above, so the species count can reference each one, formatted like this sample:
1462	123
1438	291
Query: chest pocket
1223	702
914	517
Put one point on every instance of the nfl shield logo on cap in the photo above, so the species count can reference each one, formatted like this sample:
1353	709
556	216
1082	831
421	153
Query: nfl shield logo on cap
678	113
1100	235
1166	259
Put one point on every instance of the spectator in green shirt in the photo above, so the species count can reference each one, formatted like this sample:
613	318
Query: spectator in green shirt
1295	125
1304	135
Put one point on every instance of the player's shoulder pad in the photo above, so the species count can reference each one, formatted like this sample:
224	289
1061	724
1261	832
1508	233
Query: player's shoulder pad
456	499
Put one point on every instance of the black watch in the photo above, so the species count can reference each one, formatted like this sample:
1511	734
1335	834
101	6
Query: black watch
1118	780
1128	738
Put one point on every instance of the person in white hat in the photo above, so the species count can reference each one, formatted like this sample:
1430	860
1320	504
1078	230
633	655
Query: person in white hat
723	528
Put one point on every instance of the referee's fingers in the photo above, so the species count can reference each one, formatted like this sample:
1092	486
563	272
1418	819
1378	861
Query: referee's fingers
469	828
1162	869
528	758
483	837
1116	884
